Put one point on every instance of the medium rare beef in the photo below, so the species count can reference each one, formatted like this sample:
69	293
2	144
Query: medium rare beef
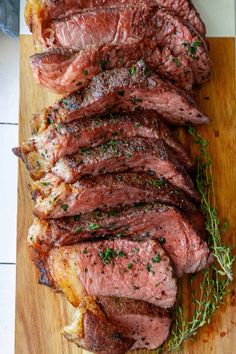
55	199
121	268
134	155
38	12
114	37
127	90
147	325
175	233
53	141
65	71
91	330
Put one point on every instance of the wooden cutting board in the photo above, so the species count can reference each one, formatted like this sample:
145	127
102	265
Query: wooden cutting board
41	313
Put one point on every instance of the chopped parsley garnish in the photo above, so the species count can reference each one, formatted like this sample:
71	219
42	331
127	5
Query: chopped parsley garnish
130	266
132	70
102	64
156	259
85	72
192	48
161	240
85	251
45	184
76	217
120	234
176	61
78	230
137	125
110	254
65	207
94	227
149	267
128	155
113	213
136	99
157	182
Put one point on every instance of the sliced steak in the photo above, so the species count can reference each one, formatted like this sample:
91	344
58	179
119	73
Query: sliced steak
52	142
55	199
109	38
175	233
147	324
91	330
65	71
127	90
37	13
121	268
134	155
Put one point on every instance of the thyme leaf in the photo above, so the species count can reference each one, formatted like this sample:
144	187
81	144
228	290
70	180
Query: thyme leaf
217	278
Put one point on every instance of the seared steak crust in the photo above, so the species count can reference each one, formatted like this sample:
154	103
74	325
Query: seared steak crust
115	37
122	89
54	141
121	268
179	238
134	155
65	71
55	199
91	330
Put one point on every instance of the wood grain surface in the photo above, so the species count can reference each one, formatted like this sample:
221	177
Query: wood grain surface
41	313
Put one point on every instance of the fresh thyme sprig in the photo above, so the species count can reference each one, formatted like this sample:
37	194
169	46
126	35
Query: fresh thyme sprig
217	278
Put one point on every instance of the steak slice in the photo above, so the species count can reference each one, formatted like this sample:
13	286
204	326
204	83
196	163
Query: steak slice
91	330
109	38
64	71
134	155
127	90
39	12
121	268
147	324
173	230
52	142
55	199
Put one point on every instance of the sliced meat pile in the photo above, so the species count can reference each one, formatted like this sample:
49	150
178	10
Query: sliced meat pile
87	42
117	217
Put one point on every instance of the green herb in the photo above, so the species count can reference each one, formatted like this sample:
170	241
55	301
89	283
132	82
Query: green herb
121	254
128	155
157	182
76	217
149	267
161	240
137	125
50	121
120	234
177	61
78	230
110	254
130	266
132	70
85	72
136	99
215	279
102	64
156	259
45	184
192	48
85	251
94	227
65	207
113	213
